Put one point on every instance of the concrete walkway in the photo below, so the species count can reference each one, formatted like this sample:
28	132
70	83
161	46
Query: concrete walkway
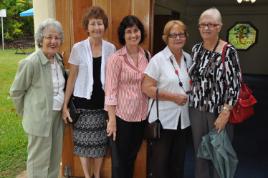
22	175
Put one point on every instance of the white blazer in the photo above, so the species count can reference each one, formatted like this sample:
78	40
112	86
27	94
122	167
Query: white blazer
81	55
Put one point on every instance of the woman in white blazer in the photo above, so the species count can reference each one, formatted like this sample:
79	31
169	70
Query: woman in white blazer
86	83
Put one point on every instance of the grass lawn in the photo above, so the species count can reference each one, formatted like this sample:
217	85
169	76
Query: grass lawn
13	141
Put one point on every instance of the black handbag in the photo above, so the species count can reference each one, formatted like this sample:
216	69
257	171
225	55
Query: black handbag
74	113
153	130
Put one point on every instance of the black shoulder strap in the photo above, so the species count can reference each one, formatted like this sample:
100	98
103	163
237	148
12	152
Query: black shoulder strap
65	73
156	99
146	55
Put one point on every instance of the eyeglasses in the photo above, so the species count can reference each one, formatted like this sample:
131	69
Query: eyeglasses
96	24
208	25
56	38
175	35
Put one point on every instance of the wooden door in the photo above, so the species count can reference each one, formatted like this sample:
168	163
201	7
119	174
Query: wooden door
117	9
69	13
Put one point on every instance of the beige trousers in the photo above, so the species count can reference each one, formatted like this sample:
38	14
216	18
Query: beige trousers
44	153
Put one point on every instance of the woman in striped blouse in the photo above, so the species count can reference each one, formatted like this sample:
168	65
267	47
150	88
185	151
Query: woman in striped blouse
124	100
215	86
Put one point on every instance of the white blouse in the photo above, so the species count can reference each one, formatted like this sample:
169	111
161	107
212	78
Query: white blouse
58	82
81	56
161	69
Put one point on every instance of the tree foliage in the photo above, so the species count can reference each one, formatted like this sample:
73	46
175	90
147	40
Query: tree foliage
15	26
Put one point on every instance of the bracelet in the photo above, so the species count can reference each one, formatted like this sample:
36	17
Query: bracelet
226	108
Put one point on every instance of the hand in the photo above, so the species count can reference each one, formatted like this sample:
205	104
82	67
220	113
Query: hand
181	99
111	128
222	120
66	115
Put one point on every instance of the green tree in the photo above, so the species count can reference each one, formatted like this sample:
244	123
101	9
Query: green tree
15	26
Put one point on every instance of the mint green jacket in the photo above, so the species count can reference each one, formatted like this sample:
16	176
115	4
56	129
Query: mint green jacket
32	93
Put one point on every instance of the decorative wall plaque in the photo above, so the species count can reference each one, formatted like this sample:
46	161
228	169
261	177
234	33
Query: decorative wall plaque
242	35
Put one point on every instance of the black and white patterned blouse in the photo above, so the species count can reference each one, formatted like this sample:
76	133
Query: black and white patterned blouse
211	86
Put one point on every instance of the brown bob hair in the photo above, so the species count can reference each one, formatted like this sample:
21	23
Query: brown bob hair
97	13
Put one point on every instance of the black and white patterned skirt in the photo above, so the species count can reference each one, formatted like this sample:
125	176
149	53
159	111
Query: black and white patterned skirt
89	134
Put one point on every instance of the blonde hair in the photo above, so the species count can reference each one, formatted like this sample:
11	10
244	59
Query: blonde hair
213	12
168	27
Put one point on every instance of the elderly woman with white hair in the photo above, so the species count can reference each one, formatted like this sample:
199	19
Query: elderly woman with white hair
38	95
215	85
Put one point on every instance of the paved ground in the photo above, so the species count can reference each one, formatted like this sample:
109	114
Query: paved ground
22	175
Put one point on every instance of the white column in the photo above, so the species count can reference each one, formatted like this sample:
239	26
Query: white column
3	43
43	9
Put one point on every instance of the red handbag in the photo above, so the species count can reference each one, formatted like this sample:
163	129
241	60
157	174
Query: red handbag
243	109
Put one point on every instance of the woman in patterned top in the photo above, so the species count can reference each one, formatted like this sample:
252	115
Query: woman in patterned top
86	82
215	86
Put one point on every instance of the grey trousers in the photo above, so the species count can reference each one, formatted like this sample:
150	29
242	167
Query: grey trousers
202	123
44	153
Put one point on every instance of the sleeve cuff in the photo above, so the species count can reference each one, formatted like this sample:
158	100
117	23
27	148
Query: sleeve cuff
110	100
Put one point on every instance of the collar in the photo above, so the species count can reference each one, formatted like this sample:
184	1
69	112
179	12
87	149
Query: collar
123	51
44	60
42	56
167	53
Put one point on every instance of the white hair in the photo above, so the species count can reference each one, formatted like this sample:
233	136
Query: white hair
213	12
48	23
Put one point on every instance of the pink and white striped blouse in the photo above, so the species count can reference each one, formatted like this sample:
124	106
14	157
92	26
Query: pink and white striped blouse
123	85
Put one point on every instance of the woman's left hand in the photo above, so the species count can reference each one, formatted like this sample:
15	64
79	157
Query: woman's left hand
222	120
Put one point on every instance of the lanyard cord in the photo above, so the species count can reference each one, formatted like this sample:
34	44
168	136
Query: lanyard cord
214	49
177	73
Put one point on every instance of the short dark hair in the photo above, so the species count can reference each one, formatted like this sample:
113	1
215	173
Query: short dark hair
129	21
97	13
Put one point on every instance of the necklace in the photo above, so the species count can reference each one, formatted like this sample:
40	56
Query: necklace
214	49
210	57
177	74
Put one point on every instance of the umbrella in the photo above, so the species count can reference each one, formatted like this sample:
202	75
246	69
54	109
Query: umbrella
28	12
218	148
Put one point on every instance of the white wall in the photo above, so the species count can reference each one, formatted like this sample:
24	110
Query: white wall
43	9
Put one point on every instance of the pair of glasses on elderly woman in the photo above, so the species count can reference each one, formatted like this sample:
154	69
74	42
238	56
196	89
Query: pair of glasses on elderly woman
56	38
175	35
208	25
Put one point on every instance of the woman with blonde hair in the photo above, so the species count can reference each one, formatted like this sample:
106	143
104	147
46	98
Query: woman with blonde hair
167	72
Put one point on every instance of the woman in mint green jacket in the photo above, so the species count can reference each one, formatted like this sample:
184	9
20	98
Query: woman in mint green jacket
37	92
